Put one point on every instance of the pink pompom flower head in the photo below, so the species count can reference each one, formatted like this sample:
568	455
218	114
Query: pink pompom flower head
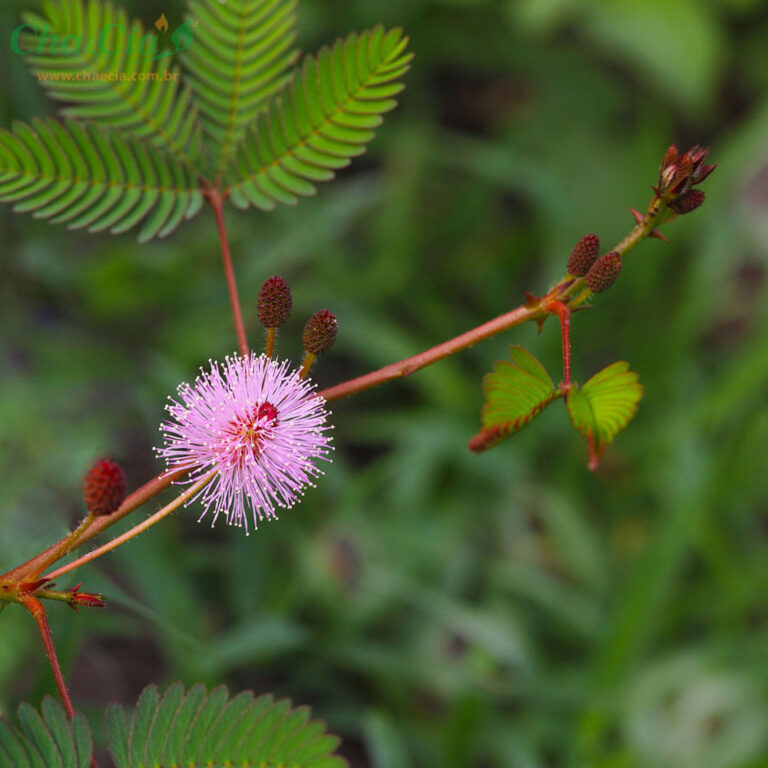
259	424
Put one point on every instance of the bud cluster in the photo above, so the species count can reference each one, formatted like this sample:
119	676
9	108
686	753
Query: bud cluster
274	306
678	176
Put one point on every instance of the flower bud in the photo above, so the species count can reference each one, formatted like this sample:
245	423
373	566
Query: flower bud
320	332
583	255
274	302
104	487
604	272
689	202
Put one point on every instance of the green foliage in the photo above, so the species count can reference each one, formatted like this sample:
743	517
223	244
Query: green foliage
200	728
195	728
243	117
50	741
240	58
604	406
148	107
87	176
515	392
324	118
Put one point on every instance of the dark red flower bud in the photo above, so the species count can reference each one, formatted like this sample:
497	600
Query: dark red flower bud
274	302
583	255
688	202
104	487
604	272
320	332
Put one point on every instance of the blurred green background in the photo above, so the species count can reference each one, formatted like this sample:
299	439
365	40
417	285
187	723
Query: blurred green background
508	610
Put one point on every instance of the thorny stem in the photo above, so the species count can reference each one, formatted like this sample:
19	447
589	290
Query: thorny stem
136	530
406	367
35	607
217	203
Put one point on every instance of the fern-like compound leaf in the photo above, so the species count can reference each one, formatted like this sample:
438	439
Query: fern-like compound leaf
109	70
199	728
516	392
87	176
319	121
241	55
47	741
604	406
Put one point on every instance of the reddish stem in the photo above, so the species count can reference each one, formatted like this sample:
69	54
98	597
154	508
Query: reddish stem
32	568
35	607
406	367
217	203
564	314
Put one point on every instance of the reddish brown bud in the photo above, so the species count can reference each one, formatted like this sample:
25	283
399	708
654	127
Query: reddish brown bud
320	332
670	157
679	173
688	202
583	255
104	487
604	272
274	302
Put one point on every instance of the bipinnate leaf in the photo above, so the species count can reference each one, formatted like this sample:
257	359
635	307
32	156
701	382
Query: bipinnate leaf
515	392
201	728
604	406
47	741
319	121
84	175
241	55
112	72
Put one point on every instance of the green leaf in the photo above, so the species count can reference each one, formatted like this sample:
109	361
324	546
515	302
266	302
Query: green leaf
240	57
515	392
50	741
604	406
212	729
113	73
85	175
322	119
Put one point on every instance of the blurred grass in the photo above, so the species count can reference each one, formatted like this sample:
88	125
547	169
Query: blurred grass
509	610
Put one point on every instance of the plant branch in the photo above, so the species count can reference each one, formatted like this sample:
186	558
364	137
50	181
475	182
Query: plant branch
406	367
34	567
534	309
135	531
216	200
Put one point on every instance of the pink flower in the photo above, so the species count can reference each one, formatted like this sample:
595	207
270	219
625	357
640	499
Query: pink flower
257	422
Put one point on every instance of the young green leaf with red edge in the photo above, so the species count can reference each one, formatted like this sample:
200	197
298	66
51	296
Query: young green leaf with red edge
604	406
515	392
